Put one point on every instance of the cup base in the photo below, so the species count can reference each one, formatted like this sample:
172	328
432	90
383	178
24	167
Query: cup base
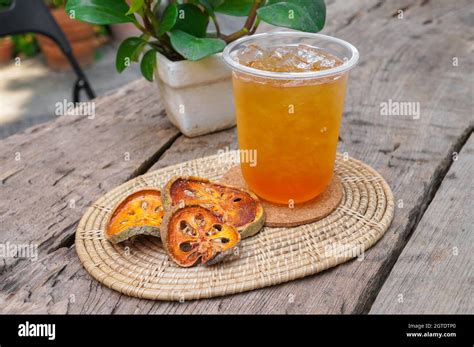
299	214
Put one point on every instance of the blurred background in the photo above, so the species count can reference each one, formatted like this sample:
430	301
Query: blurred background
34	74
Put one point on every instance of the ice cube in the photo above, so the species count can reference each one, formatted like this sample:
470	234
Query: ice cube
285	59
295	63
249	55
309	54
301	58
280	53
327	63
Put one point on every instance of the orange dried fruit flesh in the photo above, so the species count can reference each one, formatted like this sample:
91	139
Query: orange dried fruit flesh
140	213
194	233
235	206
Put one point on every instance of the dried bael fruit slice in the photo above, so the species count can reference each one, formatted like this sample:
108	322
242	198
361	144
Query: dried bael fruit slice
194	233
140	213
238	207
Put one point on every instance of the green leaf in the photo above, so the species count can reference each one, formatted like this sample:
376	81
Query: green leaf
194	48
304	15
238	8
148	64
210	5
191	20
168	20
128	51
135	6
156	7
136	54
100	12
4	4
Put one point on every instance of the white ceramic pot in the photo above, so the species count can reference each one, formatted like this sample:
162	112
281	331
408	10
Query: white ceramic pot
197	95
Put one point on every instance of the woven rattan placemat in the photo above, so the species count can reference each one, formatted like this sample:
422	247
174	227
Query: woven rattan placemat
142	269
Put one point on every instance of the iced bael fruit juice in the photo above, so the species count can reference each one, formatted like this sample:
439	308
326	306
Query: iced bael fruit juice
289	91
292	125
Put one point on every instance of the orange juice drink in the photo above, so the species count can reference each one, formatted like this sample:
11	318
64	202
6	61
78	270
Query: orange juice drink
289	91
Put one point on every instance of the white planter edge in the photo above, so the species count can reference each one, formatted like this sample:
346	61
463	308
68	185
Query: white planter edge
197	95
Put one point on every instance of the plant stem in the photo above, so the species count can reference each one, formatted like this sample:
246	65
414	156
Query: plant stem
253	14
248	23
146	21
255	26
216	24
151	16
166	43
236	35
141	28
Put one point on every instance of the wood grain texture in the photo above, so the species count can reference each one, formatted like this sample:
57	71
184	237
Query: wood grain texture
435	272
185	148
51	173
406	59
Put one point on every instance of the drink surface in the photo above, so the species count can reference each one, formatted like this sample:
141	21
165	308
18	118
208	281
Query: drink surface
297	58
293	125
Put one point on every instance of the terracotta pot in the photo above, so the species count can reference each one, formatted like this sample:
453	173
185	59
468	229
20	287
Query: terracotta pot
81	36
6	50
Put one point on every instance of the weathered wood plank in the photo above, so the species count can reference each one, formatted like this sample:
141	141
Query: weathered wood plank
51	173
402	60
185	148
435	272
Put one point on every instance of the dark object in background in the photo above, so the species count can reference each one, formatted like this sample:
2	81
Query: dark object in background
81	37
34	16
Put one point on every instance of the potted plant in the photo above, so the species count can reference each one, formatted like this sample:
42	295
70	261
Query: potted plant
81	37
176	49
25	45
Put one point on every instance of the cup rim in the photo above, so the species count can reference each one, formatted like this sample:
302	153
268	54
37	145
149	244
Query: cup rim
345	67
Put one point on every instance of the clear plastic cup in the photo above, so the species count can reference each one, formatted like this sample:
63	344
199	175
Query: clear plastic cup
289	121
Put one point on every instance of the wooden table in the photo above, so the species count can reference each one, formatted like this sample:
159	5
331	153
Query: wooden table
51	173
